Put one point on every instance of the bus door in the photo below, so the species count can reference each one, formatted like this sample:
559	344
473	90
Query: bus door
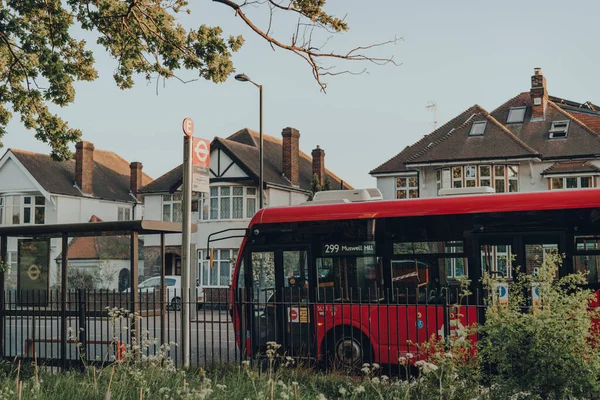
278	301
502	255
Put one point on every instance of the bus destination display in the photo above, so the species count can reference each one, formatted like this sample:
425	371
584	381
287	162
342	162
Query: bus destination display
348	249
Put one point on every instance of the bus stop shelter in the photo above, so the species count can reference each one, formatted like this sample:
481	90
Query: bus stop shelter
66	233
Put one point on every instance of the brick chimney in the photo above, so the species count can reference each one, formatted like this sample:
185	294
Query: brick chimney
135	178
318	164
539	94
291	154
84	166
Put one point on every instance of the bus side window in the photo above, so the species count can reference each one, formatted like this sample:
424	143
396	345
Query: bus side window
410	278
587	257
349	278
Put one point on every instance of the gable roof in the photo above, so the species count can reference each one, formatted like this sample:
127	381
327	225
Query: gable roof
528	139
110	174
581	140
243	148
459	145
571	167
397	163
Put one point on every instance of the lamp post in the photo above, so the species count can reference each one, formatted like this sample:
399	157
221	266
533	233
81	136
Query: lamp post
245	78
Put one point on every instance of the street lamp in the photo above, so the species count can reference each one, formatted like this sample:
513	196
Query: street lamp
244	78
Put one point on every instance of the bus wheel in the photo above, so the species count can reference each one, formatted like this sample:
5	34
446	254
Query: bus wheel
351	351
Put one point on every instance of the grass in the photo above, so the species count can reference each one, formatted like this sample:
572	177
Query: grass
126	381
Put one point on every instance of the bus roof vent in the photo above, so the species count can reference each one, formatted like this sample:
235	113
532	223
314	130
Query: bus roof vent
346	196
466	191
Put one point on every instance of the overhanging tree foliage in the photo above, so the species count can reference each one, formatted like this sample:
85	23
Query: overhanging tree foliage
41	57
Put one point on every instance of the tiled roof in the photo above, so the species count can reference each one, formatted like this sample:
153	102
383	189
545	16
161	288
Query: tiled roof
580	166
99	247
452	142
110	174
581	141
168	182
397	163
459	145
592	121
243	148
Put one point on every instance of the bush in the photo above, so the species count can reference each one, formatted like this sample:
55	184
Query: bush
545	350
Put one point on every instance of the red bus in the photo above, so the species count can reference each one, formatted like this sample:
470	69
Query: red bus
364	281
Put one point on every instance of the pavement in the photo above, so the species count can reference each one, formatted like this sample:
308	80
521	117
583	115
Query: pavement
211	333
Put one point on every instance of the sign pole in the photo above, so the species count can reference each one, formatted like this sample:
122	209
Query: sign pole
188	130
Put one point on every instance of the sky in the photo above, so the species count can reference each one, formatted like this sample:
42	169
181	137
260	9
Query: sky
454	53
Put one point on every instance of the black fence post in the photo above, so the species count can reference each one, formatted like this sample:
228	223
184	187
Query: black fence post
63	300
82	325
3	257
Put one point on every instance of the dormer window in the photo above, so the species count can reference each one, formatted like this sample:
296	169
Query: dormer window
478	128
516	115
559	129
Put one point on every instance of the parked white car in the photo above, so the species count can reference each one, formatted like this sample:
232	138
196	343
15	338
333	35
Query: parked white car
173	283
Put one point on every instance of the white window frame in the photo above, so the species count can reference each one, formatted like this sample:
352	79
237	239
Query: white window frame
497	256
218	263
457	182
8	206
564	182
445	176
124	214
512	178
452	247
516	111
472	178
171	200
478	128
485	178
249	203
499	178
408	187
559	129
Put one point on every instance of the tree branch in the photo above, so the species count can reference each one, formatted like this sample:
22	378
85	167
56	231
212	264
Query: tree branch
312	55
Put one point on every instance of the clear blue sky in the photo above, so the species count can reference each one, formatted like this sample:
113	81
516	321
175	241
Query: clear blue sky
456	53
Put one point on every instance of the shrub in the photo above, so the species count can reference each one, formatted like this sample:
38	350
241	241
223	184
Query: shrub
544	350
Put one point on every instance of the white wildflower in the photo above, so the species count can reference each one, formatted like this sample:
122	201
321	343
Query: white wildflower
425	366
343	391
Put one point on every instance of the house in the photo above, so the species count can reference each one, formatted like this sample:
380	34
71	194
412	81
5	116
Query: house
34	189
233	197
533	142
